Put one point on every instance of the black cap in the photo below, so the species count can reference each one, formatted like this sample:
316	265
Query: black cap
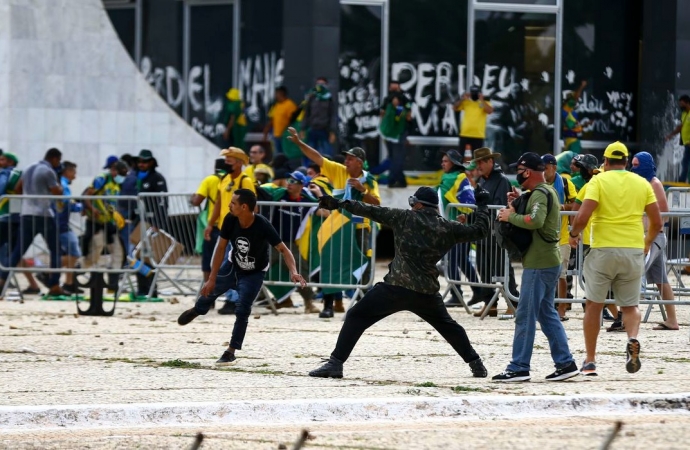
426	196
455	158
220	164
531	161
357	153
281	173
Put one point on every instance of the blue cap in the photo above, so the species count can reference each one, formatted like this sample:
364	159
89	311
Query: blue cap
112	159
300	177
549	159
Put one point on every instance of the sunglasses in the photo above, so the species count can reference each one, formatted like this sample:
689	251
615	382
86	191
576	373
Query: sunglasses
293	181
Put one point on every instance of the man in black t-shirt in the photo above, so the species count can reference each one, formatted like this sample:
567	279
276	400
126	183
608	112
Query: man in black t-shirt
244	269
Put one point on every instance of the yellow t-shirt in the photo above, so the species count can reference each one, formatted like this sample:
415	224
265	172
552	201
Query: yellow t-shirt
227	188
280	114
586	235
337	173
474	120
209	189
570	195
622	198
685	128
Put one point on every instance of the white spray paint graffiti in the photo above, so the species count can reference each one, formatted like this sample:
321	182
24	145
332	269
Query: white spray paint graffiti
173	87
259	75
358	100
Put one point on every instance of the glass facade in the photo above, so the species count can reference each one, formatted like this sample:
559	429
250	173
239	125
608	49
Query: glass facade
188	51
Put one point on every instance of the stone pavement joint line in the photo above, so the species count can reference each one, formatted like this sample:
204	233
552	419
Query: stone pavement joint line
335	410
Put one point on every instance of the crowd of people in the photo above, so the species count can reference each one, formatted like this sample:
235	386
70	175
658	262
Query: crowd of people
322	232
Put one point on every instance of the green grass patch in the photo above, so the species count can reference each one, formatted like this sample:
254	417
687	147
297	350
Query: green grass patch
181	364
466	389
426	384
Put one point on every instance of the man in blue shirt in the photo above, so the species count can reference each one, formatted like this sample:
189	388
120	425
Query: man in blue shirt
69	243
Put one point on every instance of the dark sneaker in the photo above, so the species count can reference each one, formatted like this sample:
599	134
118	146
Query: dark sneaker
187	316
327	313
478	369
227	359
454	302
633	350
589	369
508	376
564	373
332	369
228	308
616	326
31	291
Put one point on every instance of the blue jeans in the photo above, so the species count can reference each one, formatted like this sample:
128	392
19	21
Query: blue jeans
277	144
537	293
247	285
683	177
318	139
30	227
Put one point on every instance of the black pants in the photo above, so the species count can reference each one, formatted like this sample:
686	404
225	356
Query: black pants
385	299
491	263
474	143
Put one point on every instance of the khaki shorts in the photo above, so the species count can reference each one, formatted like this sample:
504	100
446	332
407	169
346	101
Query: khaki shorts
620	269
565	258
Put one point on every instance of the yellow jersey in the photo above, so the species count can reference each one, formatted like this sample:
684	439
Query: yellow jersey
226	189
280	115
338	175
474	119
570	196
617	220
209	190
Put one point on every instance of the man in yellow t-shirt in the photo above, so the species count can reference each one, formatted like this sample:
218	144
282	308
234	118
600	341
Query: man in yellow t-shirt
208	190
350	182
279	116
615	201
473	124
684	129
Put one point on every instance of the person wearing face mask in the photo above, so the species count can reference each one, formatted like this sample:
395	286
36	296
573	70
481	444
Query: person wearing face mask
542	267
320	114
103	221
475	110
684	130
655	264
396	111
571	123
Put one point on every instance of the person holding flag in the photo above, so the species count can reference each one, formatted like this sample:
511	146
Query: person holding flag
350	182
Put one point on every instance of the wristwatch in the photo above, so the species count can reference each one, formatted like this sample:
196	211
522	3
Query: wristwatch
570	233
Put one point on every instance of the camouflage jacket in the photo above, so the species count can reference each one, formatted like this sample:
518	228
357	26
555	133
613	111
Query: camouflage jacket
421	238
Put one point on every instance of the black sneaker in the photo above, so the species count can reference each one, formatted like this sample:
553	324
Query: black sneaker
617	324
633	350
478	369
332	369
31	291
327	313
187	316
564	373
227	359
508	376
228	308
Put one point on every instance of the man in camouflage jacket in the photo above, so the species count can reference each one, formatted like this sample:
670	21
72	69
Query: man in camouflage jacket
422	237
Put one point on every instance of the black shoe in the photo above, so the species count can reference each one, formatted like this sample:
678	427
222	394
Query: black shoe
31	291
508	376
564	373
228	308
72	289
227	359
617	324
187	316
478	369
453	302
327	313
332	369
632	349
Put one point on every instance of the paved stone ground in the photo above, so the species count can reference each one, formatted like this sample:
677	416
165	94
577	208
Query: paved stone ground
50	356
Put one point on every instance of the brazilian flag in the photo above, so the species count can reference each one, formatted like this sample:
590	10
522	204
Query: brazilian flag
342	261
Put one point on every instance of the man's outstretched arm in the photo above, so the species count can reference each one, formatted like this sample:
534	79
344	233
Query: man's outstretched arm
304	148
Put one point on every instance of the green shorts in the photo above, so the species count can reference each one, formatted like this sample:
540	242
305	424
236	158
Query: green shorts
619	269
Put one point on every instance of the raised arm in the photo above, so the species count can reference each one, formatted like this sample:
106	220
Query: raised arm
309	152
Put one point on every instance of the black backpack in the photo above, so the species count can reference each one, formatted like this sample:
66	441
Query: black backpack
514	239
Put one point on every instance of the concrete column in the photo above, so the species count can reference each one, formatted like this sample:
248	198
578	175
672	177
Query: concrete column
311	43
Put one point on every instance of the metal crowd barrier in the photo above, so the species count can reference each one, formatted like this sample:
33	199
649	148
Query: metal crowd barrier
677	230
66	235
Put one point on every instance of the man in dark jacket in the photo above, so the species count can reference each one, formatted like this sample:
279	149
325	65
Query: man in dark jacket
422	237
319	122
149	181
490	257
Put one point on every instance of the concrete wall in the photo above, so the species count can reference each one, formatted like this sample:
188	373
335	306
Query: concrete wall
67	82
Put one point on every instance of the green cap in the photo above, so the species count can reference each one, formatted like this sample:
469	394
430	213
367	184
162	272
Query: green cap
12	157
